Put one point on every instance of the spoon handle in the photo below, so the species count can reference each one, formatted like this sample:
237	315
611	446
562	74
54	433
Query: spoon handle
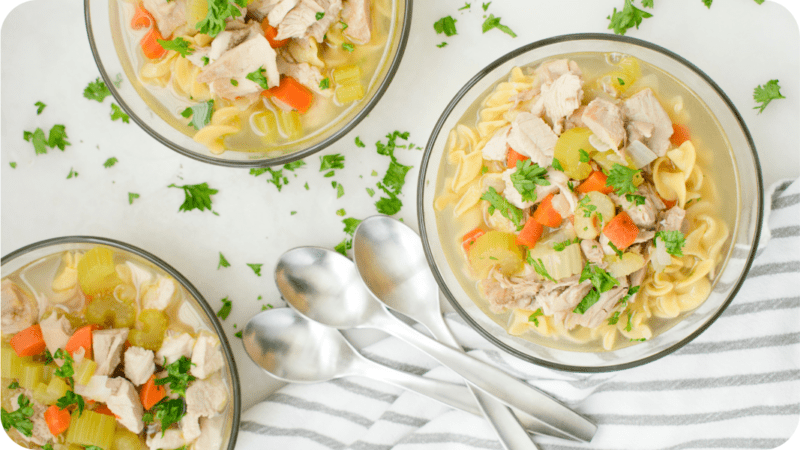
454	395
497	383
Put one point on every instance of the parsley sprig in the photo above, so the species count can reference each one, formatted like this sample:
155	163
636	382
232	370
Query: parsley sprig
350	225
178	377
765	94
96	90
200	114
499	203
218	12
492	22
19	419
629	17
446	25
225	310
196	196
621	179
71	398
527	176
395	177
179	45
601	281
673	240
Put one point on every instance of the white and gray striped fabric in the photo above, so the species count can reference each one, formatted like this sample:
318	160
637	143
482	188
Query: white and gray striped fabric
737	386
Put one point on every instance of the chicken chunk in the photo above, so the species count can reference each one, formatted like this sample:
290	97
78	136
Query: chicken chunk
563	295
279	10
551	71
561	98
206	356
160	295
210	433
605	120
504	293
107	349
592	251
206	398
306	74
643	215
332	10
168	14
173	347
125	404
532	137
356	15
496	148
96	389
644	107
19	310
55	331
139	365
673	219
259	9
253	54
598	312
190	426
171	439
299	20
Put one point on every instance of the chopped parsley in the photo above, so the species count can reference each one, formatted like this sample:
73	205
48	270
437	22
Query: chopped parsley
218	12
131	197
766	93
341	212
277	177
673	240
590	299
560	246
225	310
443	44
344	25
58	137
601	280
13	164
629	17
485	6
586	205
395	177
38	139
557	165
205	60
234	82
533	317
72	173
325	83
178	377
649	3
167	411
110	162
538	266
294	165
319	15
96	90
584	157
494	22
256	268
350	225
196	196
339	188
222	261
348	46
13	385
637	200
238	334
19	419
71	398
66	371
200	114
629	326
620	81
621	179
39	107
498	202
614	318
371	192
179	45
257	76
616	250
446	25
466	6
527	176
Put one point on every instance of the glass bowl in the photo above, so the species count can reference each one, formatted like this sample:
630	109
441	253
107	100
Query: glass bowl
111	53
736	172
37	252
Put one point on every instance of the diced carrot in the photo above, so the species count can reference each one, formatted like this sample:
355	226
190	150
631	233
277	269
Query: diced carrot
680	134
621	231
29	341
513	157
291	93
57	419
152	393
103	409
82	337
270	33
141	18
469	239
669	203
150	46
530	233
595	182
546	215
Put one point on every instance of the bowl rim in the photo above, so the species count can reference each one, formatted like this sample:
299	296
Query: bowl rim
394	65
235	386
437	129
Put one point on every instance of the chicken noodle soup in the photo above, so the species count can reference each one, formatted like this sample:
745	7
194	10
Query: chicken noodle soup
583	202
102	349
250	75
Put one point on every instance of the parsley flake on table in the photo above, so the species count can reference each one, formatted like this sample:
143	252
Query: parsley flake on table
222	261
131	197
257	77
629	17
494	22
256	268
39	107
485	6
179	45
96	90
759	1
238	334
466	6
446	25
118	113
110	162
707	3
394	179
649	3
341	212
218	12
339	188
371	192
621	179
527	176
499	203
72	173
200	114
443	44
19	419
13	164
350	225
196	196
673	240
58	137
766	93
359	143
225	310
328	162
38	139
294	165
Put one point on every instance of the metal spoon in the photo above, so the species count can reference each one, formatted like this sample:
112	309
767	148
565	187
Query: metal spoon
294	349
325	287
392	263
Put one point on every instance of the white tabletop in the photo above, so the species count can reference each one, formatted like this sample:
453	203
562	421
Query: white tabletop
45	57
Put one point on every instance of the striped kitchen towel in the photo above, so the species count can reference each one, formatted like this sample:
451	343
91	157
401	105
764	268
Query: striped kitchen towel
737	386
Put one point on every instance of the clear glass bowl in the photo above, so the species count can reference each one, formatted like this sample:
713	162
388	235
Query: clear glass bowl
737	173
18	259
110	51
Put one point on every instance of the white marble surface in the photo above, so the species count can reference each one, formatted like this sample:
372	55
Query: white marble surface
45	57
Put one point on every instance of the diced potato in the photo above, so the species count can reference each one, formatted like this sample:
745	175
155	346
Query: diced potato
629	263
349	93
96	271
568	152
84	371
593	214
495	248
347	75
628	73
